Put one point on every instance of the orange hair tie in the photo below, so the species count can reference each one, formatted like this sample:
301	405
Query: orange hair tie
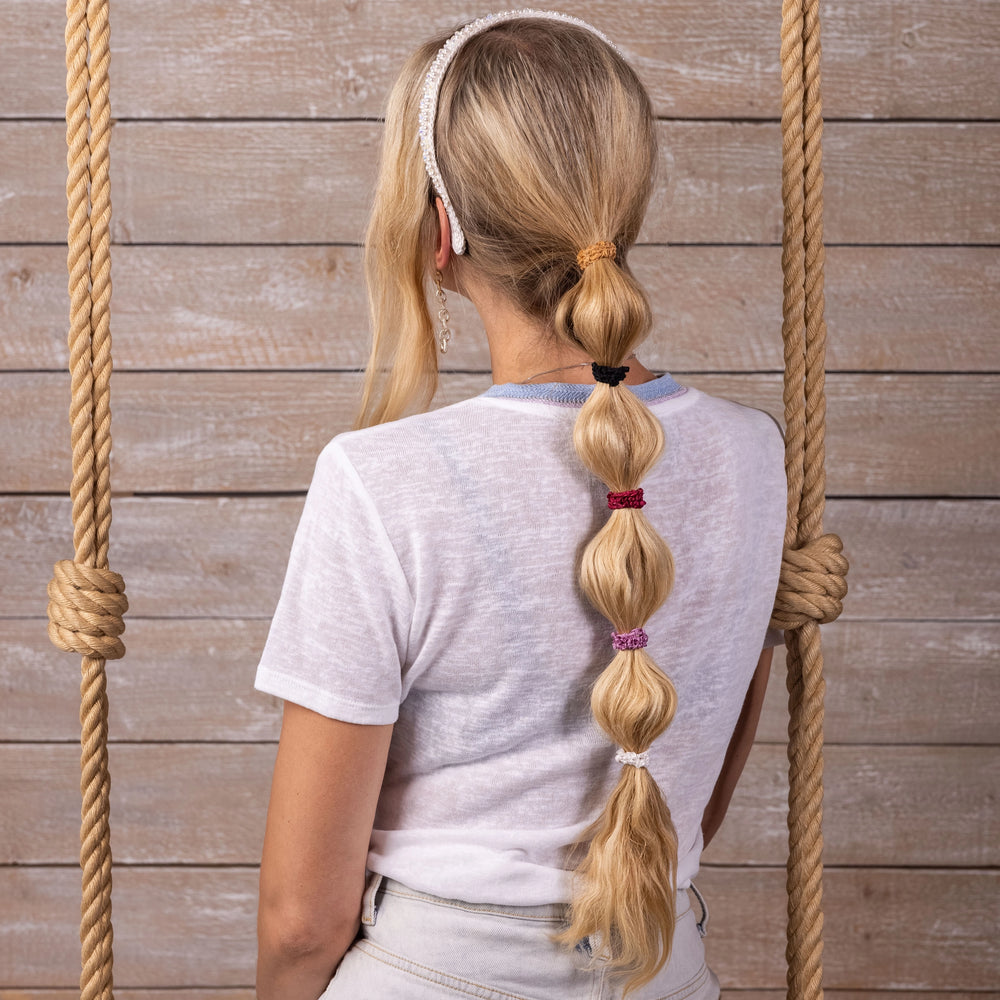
595	251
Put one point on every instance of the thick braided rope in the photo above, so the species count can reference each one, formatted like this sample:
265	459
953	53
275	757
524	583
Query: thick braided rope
793	335
86	600
100	264
812	582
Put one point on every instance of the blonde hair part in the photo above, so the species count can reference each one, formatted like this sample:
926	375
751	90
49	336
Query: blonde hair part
563	130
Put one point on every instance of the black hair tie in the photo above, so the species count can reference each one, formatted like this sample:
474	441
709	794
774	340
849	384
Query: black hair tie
609	375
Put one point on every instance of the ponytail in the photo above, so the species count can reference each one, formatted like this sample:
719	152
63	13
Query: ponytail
624	898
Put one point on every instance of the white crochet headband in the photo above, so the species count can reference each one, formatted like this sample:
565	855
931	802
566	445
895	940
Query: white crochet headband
432	86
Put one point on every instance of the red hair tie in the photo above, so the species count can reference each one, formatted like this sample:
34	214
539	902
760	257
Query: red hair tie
626	499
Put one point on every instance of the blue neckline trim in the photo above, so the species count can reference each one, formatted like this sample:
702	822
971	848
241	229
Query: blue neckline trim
565	392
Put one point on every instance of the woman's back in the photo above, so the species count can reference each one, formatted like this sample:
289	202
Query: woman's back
451	543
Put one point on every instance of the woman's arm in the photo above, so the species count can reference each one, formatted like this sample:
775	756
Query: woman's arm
739	749
325	787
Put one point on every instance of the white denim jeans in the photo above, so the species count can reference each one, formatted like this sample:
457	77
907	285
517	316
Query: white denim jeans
413	946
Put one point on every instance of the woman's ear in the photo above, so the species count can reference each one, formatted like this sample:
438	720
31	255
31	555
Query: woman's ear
442	253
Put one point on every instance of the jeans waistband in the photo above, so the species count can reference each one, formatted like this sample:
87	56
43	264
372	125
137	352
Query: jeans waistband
545	911
379	883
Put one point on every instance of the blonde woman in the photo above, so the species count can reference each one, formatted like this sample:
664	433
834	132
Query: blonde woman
520	637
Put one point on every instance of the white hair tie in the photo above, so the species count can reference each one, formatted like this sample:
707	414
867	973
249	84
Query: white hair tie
432	86
635	759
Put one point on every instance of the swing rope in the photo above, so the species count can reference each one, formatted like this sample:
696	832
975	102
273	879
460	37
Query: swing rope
86	599
812	583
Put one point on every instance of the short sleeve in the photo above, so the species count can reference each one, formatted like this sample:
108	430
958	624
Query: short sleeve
338	637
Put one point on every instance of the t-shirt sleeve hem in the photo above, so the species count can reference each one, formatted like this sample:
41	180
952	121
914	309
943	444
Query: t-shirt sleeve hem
323	702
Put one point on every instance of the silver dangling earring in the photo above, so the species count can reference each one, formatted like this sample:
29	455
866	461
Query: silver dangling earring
444	334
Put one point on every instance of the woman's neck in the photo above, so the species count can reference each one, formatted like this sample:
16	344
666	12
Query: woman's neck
523	350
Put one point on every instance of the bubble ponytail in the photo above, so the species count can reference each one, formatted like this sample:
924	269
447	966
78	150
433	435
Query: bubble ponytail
626	884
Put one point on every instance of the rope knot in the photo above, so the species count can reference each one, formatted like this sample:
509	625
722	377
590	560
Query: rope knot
86	605
812	585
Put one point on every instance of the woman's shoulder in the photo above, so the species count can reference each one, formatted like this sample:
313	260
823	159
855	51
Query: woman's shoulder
721	414
414	446
716	440
409	430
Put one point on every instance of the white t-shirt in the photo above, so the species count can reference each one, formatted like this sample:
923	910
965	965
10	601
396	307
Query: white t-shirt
433	583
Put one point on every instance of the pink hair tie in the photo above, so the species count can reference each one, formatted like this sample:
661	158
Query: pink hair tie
625	499
635	639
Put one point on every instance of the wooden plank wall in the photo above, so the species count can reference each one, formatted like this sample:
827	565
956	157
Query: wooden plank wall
242	157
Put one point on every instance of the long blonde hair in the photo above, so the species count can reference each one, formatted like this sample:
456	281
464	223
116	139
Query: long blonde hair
545	140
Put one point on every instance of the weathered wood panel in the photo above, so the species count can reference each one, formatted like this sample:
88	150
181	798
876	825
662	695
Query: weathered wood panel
716	308
310	182
900	682
182	679
180	419
935	929
882	928
226	556
890	806
171	803
894	544
32	182
204	803
885	58
173	927
219	557
888	435
190	679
